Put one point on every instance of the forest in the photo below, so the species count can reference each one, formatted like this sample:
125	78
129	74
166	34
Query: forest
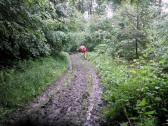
127	42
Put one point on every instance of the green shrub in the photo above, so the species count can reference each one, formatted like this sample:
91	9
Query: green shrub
74	40
56	40
140	90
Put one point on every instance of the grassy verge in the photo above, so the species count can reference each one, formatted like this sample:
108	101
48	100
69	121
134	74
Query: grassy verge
134	92
29	78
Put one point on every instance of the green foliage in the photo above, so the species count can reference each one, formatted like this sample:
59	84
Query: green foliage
27	79
136	31
97	32
75	22
31	28
74	40
56	40
147	122
138	88
75	35
126	34
132	24
20	33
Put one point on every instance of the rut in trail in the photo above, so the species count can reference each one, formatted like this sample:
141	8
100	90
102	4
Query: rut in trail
74	100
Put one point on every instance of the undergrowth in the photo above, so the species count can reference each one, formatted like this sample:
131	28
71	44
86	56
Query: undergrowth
135	92
28	79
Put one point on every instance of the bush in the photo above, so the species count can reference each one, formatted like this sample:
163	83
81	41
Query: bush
138	89
30	29
20	32
74	40
56	40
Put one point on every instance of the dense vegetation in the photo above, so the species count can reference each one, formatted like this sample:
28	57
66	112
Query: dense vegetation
132	40
135	92
132	60
32	38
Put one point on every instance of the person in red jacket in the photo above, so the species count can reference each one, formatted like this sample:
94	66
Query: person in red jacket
84	50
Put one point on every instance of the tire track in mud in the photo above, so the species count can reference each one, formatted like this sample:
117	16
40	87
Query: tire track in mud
74	100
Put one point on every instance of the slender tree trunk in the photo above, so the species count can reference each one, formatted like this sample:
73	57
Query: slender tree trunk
91	5
82	6
160	2
137	26
126	115
160	7
136	40
136	48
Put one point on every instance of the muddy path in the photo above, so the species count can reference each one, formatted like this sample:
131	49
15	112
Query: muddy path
74	100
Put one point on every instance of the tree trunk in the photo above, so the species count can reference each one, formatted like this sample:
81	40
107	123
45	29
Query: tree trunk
136	49
160	7
138	28
126	115
91	7
82	6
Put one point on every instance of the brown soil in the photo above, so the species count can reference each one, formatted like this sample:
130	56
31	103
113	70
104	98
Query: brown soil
74	100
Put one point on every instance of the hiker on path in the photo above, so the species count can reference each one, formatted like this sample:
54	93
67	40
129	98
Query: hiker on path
83	50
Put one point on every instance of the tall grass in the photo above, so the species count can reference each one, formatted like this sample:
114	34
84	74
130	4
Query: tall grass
27	79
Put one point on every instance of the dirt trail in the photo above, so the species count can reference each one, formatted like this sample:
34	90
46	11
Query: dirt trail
74	100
